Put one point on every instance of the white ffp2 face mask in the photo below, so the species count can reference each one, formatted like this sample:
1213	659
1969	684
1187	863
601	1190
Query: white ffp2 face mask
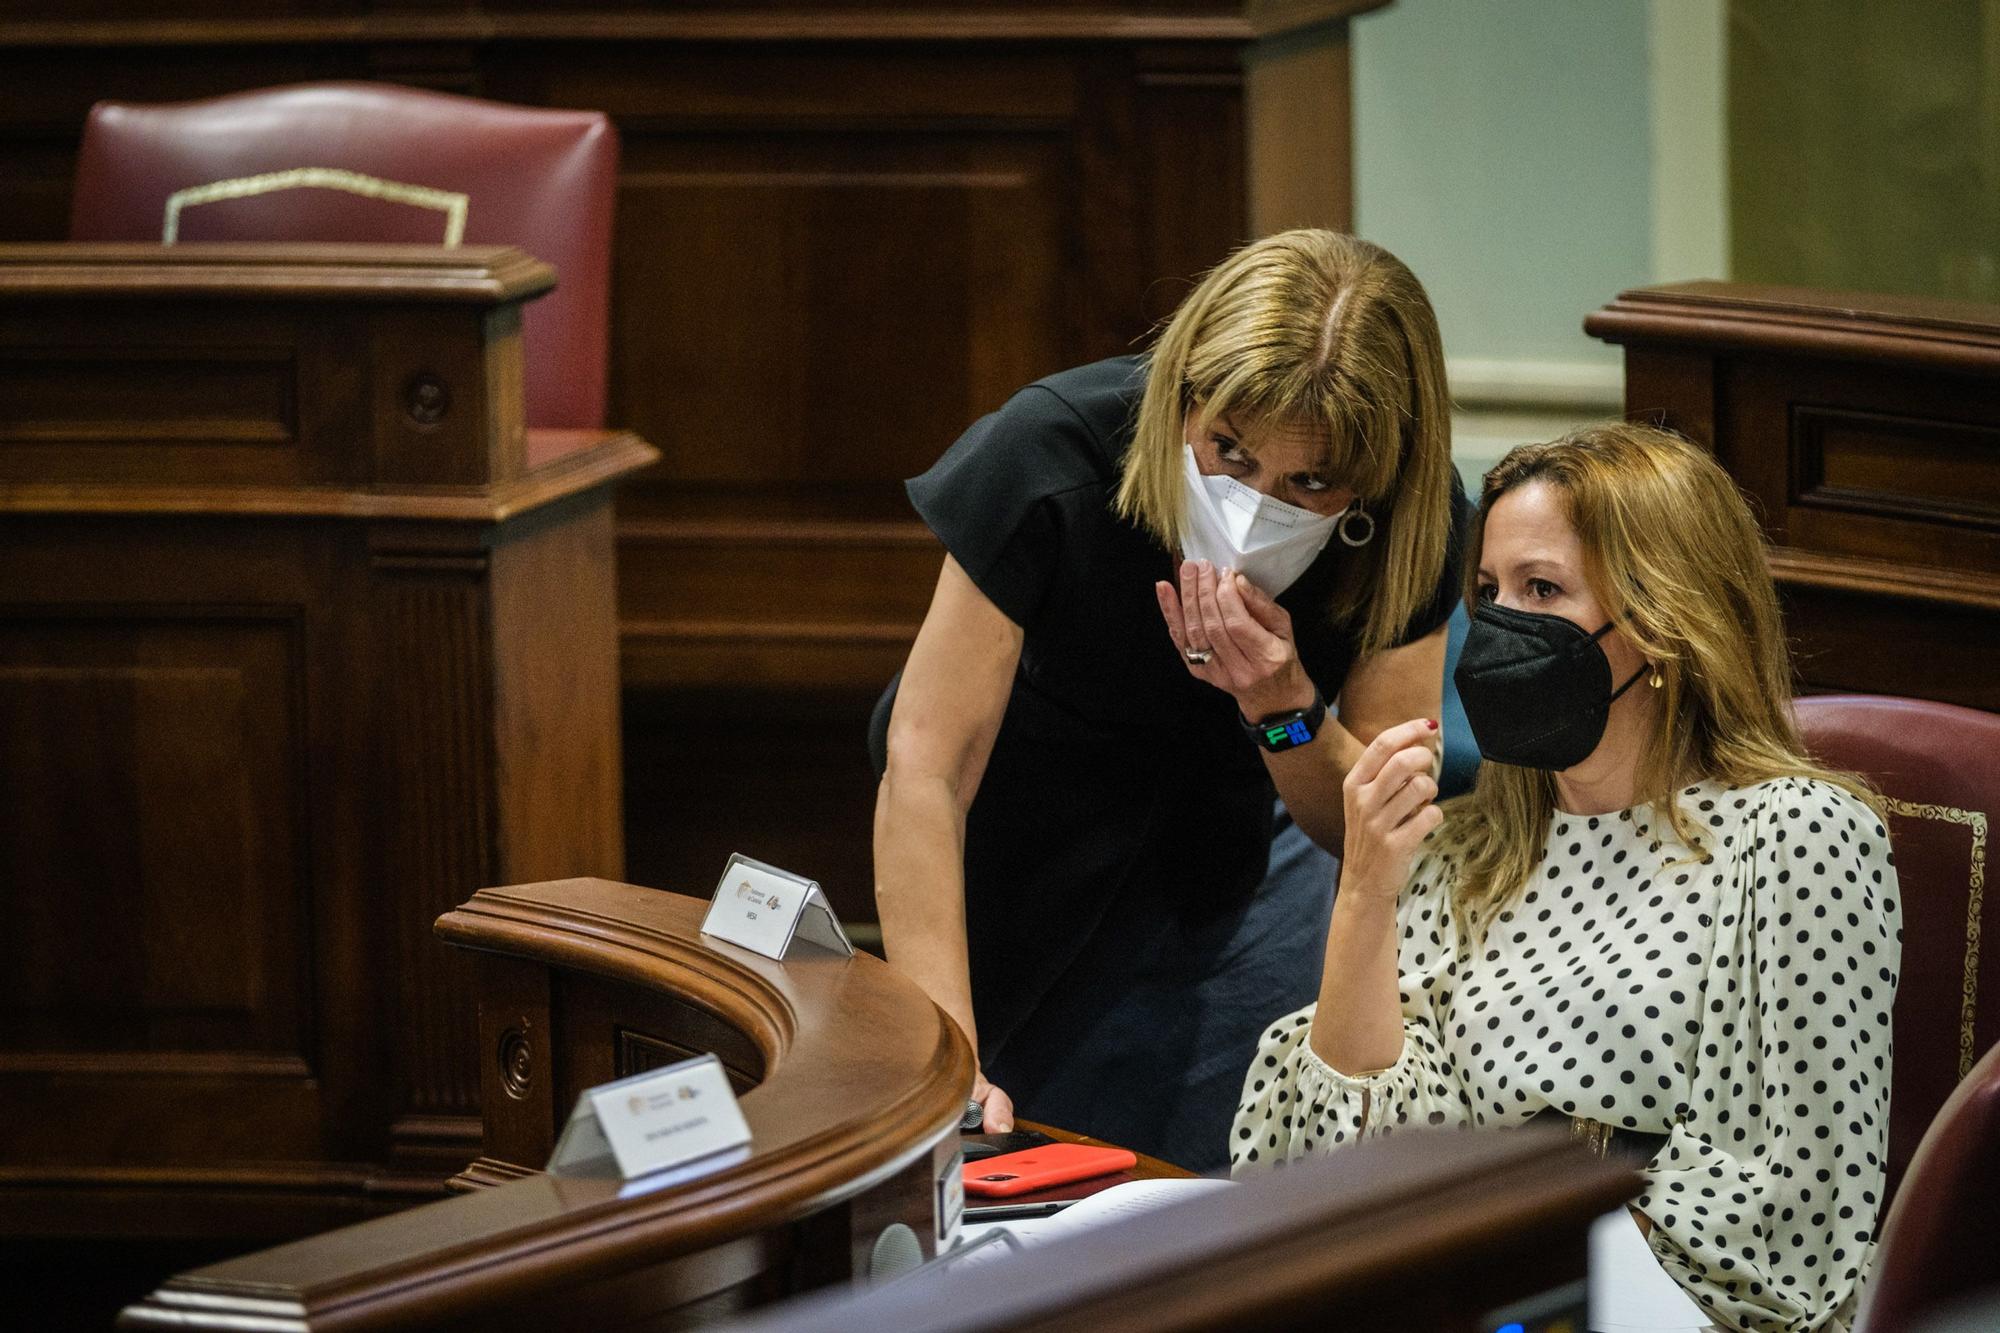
1268	541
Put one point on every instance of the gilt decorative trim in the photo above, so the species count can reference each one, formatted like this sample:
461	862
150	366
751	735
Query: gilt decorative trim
1975	897
1594	1134
449	202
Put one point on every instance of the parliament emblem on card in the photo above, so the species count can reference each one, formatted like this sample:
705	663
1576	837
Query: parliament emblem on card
642	1127
765	909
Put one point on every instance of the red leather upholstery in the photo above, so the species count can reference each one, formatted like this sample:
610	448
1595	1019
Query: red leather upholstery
1940	767
538	179
1939	1242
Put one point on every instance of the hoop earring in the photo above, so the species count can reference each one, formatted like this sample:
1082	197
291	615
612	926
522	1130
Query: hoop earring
1347	516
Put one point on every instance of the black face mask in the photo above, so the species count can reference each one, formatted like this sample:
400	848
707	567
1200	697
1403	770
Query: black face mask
1536	688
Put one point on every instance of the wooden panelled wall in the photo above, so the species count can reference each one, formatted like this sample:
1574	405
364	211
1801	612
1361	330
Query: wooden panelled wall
1865	429
844	231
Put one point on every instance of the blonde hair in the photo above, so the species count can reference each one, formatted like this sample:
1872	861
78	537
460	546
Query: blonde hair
1675	559
1322	330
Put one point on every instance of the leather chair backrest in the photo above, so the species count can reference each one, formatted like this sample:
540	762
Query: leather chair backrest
1939	767
1943	1233
538	179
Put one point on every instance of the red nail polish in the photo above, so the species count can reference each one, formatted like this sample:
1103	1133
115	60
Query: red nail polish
1431	722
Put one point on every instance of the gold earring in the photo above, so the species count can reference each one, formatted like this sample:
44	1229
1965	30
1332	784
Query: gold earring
1655	682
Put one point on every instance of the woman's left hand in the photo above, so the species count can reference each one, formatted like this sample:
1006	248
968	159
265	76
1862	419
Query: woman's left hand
1253	655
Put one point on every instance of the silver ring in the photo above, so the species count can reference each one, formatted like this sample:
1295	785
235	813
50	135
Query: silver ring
1197	656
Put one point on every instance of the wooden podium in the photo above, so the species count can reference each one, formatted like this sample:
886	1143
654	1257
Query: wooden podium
303	638
852	1082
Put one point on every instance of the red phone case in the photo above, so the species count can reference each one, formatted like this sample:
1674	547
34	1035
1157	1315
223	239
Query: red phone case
1034	1169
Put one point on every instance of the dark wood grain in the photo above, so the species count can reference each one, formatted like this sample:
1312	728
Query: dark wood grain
232	22
856	1083
483	275
844	231
263	720
1863	429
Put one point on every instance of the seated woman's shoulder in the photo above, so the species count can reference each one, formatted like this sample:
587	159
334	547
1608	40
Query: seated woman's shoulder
1815	800
1818	841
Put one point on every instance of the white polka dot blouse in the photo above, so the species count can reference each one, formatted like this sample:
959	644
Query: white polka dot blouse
1736	1004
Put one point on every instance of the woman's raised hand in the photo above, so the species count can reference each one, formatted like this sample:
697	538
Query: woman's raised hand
1248	636
1388	796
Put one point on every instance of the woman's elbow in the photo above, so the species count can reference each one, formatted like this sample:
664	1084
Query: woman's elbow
923	767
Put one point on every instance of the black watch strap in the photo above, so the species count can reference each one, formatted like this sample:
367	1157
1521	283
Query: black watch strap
1287	731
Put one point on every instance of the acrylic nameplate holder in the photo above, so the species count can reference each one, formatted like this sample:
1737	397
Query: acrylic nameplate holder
656	1128
765	909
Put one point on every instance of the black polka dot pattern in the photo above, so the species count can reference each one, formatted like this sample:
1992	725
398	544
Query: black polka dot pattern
1735	1000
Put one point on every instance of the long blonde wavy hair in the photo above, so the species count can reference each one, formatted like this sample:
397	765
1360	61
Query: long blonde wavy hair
1675	559
1329	332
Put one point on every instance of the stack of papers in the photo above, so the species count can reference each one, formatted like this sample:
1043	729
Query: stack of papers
1629	1291
1100	1209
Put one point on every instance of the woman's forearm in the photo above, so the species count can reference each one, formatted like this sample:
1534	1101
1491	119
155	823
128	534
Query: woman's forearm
941	732
920	890
1358	1027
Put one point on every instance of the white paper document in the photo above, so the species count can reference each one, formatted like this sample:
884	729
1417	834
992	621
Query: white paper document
1629	1291
1100	1209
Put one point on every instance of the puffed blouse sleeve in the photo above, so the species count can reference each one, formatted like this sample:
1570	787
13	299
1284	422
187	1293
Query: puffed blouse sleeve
1765	1198
1294	1103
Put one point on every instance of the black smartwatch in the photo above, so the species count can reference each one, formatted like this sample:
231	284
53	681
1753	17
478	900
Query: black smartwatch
1287	731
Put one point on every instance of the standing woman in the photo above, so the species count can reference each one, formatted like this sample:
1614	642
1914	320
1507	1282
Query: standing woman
1163	575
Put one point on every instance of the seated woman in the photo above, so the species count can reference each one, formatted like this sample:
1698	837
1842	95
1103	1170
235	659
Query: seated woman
1654	915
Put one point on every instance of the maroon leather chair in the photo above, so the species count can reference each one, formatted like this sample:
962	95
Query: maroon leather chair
1939	1242
538	179
1939	766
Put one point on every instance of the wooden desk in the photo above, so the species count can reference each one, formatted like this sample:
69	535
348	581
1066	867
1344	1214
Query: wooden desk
1866	429
851	1079
1419	1231
297	650
853	1085
1149	1168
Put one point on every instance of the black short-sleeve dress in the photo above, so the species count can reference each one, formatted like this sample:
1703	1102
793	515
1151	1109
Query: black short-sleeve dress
1127	944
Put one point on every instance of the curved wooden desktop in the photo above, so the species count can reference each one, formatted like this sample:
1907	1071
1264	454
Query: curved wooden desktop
1422	1232
851	1079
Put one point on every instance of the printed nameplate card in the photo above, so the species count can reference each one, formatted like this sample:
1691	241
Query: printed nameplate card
764	909
684	1115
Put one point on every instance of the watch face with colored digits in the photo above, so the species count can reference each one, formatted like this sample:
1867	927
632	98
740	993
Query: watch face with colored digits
1285	735
1287	731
